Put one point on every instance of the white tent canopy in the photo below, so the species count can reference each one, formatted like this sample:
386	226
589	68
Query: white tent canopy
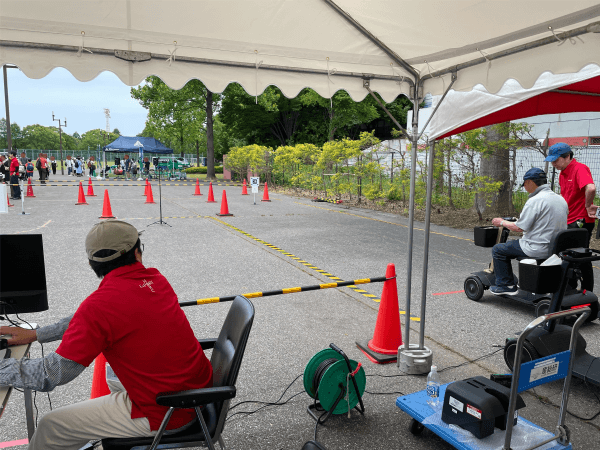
295	44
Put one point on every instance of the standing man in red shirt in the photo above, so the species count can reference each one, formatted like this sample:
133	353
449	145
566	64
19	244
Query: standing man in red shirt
120	319
14	176
578	189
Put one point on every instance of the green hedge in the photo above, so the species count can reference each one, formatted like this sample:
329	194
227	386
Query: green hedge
202	169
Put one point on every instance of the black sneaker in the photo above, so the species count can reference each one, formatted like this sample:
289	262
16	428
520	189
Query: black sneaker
504	290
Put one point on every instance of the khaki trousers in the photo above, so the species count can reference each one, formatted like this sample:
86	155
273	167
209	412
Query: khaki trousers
73	426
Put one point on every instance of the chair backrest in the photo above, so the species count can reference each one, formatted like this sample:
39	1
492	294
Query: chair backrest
571	238
229	349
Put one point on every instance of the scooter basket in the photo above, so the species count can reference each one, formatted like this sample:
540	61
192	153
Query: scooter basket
539	279
485	236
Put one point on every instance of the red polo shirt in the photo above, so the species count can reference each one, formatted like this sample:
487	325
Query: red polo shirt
573	179
14	166
134	318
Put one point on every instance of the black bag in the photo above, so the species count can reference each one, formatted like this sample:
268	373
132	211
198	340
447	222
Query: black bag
93	167
38	164
76	164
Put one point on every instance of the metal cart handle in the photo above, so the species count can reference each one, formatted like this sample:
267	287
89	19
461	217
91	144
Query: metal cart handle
583	314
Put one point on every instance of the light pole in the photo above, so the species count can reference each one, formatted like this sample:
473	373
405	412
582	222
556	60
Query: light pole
8	133
104	135
62	166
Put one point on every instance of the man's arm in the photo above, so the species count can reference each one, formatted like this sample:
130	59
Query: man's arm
41	374
590	193
499	222
45	334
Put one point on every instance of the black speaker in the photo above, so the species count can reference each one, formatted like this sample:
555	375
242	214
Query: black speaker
155	161
117	161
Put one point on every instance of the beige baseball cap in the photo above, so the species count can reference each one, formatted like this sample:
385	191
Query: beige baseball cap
113	235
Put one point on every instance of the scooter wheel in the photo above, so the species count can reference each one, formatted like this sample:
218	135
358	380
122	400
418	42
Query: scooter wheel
474	288
529	353
416	427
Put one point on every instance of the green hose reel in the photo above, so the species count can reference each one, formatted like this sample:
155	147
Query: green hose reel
326	380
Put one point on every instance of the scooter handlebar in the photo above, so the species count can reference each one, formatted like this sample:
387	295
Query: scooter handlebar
567	256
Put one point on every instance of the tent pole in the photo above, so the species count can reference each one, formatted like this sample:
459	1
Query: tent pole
426	247
8	134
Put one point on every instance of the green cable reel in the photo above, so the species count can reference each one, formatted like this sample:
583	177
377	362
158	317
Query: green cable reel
326	378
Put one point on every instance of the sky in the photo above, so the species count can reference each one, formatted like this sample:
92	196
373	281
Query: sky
82	103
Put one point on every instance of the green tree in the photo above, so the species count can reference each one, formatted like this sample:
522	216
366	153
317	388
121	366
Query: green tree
94	139
180	117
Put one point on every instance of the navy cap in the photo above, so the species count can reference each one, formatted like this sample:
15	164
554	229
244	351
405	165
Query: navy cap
534	174
557	150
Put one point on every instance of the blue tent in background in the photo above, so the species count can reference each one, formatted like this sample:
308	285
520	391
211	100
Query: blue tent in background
124	144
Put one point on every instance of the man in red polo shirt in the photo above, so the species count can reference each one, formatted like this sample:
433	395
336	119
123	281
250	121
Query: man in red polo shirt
578	189
126	319
14	176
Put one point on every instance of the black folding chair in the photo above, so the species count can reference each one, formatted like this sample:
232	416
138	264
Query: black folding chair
211	404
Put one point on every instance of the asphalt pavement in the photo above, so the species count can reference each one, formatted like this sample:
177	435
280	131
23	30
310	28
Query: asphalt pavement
285	243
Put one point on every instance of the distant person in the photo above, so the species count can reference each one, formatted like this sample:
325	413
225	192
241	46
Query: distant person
14	176
543	216
53	164
69	164
23	159
127	166
79	167
42	165
29	168
4	169
578	189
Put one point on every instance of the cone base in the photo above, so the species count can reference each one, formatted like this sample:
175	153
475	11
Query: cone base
148	202
265	200
219	214
198	194
29	196
211	201
91	195
82	203
375	357
246	194
107	217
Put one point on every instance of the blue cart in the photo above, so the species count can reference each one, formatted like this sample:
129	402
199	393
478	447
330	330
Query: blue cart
528	375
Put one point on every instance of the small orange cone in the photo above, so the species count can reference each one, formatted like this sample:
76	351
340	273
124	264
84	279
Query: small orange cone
211	197
197	191
150	197
29	188
224	206
90	192
244	188
106	209
266	194
8	201
146	187
383	348
81	199
99	385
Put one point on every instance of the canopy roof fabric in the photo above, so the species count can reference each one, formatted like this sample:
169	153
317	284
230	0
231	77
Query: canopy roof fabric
551	94
295	44
128	144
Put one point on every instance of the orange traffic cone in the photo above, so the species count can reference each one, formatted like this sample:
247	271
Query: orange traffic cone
106	209
150	197
244	188
383	348
90	192
81	199
146	187
224	206
266	194
99	385
8	201
29	188
197	191
211	197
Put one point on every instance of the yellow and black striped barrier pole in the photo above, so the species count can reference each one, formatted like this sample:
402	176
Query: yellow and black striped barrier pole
204	301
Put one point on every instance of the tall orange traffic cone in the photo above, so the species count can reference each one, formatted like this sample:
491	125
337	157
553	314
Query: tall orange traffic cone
266	194
224	206
99	385
81	199
8	201
211	197
29	188
106	209
150	197
244	188
383	348
90	192
197	191
146	188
